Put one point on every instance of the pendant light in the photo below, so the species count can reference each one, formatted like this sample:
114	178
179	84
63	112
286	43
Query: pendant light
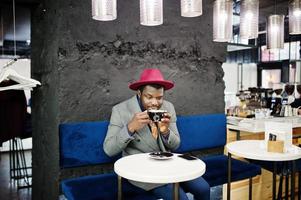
249	12
14	26
275	32
104	10
2	34
191	8
222	20
151	12
294	10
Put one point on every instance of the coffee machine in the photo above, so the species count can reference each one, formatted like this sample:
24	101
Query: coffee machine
287	99
275	102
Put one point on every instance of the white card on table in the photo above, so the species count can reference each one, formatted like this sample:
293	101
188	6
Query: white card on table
283	131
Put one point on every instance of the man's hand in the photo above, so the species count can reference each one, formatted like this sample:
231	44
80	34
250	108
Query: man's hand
164	124
138	121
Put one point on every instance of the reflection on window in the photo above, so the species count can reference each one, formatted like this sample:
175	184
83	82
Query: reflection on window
285	52
292	72
289	52
270	77
295	48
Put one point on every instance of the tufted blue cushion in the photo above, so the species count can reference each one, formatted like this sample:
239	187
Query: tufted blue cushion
217	170
201	132
101	187
81	144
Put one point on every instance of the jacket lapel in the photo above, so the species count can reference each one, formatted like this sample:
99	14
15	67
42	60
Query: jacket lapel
144	134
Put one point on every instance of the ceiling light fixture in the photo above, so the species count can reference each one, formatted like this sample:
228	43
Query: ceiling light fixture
2	34
222	20
191	8
151	12
249	12
275	31
294	11
104	10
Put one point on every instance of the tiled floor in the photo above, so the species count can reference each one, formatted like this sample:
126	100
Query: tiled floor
8	188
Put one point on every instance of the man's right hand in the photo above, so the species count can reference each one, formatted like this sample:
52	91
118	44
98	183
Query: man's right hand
138	121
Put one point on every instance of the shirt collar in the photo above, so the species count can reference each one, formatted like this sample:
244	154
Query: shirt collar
140	103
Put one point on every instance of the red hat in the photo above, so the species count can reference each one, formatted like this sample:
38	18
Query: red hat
151	76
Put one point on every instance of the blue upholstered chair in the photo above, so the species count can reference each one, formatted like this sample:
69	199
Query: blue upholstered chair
202	132
81	145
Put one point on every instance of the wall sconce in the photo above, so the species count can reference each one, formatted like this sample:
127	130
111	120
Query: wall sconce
249	12
222	20
191	8
275	32
151	12
294	10
104	10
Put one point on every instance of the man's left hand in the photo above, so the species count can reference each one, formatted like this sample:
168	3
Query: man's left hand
164	124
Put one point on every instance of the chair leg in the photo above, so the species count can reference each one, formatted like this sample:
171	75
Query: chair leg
229	177
274	180
280	187
250	188
286	186
293	179
299	185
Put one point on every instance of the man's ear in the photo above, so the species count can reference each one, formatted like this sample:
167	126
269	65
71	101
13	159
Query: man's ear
139	93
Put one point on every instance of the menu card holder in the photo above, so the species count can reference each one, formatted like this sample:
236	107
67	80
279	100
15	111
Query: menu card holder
283	132
276	146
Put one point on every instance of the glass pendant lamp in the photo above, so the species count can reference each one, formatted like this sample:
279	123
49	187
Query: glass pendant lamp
222	20
275	32
104	10
191	8
249	19
294	10
151	12
2	35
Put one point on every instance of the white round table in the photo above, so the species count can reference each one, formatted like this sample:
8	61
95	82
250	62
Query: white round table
256	150
143	168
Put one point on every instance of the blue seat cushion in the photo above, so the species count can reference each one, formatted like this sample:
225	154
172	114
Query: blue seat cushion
200	132
217	170
101	187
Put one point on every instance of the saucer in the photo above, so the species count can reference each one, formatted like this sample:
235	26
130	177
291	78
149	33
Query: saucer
161	155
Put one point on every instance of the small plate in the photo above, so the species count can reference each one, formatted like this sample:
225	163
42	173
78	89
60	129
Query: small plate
161	155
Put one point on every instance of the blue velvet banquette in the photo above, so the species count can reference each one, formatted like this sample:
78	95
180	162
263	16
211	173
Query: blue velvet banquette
81	145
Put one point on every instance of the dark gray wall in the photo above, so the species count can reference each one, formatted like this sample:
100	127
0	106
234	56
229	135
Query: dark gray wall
85	67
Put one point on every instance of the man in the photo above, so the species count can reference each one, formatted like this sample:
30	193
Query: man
131	131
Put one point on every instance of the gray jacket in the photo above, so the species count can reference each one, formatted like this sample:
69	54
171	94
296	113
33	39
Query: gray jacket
118	139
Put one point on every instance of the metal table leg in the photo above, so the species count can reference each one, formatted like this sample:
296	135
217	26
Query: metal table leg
286	186
176	191
299	185
274	180
229	177
286	174
119	188
237	133
250	188
280	186
293	180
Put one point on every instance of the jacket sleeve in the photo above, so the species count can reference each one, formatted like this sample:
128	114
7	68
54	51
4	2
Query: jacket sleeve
173	141
117	137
